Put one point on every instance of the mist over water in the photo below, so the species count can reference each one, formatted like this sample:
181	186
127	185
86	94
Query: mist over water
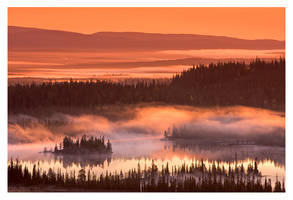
150	121
136	134
121	65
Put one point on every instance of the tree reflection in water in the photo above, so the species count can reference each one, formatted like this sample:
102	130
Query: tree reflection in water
91	160
225	152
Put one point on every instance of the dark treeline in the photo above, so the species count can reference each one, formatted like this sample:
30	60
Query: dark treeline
194	178
213	137
83	145
257	84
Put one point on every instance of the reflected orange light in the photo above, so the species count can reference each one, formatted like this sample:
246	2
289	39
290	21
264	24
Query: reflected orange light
267	167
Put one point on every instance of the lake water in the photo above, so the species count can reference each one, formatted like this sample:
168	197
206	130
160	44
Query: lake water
137	139
271	160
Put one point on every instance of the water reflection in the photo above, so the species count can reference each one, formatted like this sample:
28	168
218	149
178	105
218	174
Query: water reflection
133	150
271	160
267	168
154	148
83	161
227	153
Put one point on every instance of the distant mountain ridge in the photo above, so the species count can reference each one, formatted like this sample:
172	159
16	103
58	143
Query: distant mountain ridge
35	39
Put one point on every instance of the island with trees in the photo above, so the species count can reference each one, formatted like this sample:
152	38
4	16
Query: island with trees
185	134
83	145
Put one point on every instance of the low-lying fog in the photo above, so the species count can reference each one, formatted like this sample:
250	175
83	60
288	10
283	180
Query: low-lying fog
150	121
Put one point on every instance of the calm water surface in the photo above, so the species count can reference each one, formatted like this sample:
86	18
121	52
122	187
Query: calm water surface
128	154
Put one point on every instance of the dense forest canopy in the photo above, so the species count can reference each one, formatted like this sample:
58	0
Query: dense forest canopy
257	84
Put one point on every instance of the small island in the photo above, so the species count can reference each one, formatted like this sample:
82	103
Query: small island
82	146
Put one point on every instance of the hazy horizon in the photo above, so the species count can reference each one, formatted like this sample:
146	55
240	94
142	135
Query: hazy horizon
38	53
138	32
239	22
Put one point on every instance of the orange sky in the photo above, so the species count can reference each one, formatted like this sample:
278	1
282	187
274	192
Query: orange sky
246	23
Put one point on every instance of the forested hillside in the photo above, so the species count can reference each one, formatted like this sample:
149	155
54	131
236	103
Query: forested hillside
258	84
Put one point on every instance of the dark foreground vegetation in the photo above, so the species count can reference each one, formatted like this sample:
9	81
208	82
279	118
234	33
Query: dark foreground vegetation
258	84
194	178
82	145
